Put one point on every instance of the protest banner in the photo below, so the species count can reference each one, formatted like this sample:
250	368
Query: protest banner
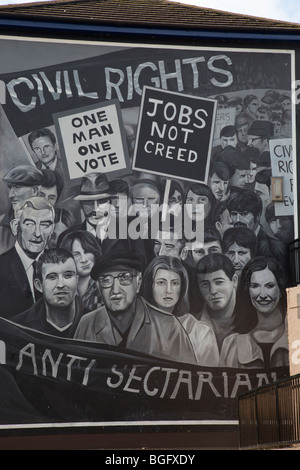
65	380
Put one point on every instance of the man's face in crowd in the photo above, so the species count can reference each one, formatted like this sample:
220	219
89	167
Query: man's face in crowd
18	193
175	199
239	256
120	202
123	290
282	224
34	229
166	244
252	172
199	250
253	106
218	186
277	127
59	283
244	219
97	212
243	134
217	289
44	149
231	140
50	194
262	190
239	178
224	222
144	196
256	142
198	205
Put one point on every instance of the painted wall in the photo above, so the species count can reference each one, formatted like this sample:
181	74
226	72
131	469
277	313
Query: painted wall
162	253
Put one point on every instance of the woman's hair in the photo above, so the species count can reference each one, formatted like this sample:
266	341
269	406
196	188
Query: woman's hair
202	190
88	241
247	318
248	99
170	264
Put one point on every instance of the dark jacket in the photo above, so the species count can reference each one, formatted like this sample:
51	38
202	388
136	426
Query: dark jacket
15	293
35	318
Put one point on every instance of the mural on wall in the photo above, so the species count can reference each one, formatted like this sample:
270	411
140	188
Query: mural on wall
143	254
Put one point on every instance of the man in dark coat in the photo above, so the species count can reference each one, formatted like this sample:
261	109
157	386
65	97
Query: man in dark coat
126	320
33	225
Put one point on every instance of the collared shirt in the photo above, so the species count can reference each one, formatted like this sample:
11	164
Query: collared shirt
52	166
28	266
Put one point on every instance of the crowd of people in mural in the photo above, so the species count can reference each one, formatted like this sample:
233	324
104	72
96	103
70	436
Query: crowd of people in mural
216	302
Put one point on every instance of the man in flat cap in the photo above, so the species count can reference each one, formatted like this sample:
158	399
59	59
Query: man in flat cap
22	181
126	320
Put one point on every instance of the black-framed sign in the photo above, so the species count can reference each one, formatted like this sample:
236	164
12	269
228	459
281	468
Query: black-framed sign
172	129
144	328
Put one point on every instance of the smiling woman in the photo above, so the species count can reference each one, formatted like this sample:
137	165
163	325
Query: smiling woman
262	337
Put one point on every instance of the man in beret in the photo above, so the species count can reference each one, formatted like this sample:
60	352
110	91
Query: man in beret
22	181
126	320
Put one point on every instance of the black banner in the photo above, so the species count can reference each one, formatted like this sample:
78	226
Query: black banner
61	380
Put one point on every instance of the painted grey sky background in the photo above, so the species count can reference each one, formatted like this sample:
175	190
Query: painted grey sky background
285	10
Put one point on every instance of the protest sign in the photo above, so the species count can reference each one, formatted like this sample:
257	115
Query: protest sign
92	140
224	117
282	165
174	136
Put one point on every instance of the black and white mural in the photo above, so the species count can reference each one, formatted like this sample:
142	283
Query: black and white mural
146	214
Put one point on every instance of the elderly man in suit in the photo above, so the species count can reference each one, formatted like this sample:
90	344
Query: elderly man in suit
32	226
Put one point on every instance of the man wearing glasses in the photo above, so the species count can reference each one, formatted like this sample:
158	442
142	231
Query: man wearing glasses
126	320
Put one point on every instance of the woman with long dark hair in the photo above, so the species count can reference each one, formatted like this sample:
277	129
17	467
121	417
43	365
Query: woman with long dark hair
86	251
260	340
